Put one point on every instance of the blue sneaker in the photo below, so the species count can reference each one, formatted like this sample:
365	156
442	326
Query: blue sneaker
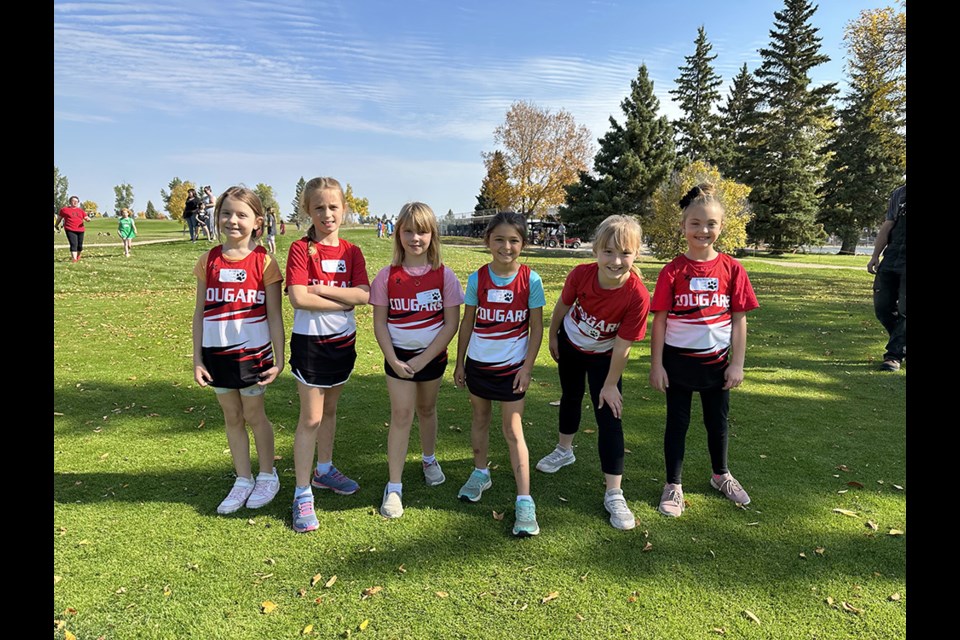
335	481
304	519
526	519
476	484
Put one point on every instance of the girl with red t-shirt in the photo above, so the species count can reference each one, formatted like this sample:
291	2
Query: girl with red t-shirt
71	219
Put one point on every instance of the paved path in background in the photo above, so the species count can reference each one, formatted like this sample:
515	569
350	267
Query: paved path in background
120	244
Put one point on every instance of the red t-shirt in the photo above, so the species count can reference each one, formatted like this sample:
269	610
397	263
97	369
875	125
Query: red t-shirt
73	218
598	316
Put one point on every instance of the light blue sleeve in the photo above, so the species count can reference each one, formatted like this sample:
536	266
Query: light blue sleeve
470	297
537	297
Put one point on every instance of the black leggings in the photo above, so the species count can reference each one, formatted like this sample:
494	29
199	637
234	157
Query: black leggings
716	406
75	238
572	367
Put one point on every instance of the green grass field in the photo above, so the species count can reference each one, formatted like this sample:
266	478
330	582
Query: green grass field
141	462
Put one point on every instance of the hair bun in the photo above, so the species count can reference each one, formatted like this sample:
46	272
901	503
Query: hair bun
702	191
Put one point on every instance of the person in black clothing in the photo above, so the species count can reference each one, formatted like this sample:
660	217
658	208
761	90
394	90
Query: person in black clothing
190	212
890	283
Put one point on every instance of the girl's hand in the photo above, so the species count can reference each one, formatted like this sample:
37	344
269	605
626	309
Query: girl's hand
658	378
521	381
554	347
610	395
269	375
733	376
201	375
416	364
459	377
402	369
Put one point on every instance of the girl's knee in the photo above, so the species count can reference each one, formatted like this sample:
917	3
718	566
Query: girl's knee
427	411
401	418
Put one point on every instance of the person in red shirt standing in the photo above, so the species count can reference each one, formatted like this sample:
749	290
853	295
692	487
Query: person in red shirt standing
71	218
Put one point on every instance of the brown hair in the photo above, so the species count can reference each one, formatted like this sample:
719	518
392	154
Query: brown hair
703	194
511	218
319	184
421	218
247	196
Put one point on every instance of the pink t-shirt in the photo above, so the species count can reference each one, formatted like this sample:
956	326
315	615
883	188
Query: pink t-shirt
452	289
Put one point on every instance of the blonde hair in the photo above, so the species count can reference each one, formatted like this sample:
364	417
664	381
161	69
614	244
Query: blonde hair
420	217
126	211
319	184
620	232
703	194
247	196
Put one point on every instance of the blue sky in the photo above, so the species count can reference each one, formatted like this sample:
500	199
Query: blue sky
397	98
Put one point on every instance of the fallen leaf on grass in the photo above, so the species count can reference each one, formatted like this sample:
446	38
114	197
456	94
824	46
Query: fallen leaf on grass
720	631
850	608
819	551
627	451
829	602
562	499
897	487
301	592
370	591
69	636
121	591
842	467
307	630
895	532
269	561
70	611
402	569
631	598
752	524
56	579
315	579
318	600
329	583
894	597
527	568
589	431
843	491
553	595
442	594
105	456
870	524
750	615
267	607
251	521
554	403
167	591
58	624
363	625
583	578
57	413
803	556
83	543
854	483
648	546
580	618
846	512
497	516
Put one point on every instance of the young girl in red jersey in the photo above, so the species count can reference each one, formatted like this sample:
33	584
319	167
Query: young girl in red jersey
238	340
416	308
699	338
601	312
500	336
326	279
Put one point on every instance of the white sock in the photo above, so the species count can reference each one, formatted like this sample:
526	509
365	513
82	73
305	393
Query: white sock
244	482
484	471
519	498
302	491
429	459
395	487
267	475
323	468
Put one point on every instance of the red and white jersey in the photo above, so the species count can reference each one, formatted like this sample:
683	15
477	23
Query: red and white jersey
415	312
700	298
236	344
598	316
309	263
501	329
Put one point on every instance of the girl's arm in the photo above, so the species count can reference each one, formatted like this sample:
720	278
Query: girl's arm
200	373
556	321
463	340
277	336
451	318
301	298
522	380
609	394
351	296
382	333
658	375
738	350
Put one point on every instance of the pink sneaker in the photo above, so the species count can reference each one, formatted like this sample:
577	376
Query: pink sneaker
730	488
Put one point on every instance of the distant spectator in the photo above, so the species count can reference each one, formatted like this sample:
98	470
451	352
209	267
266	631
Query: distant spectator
71	218
209	205
190	212
271	223
890	284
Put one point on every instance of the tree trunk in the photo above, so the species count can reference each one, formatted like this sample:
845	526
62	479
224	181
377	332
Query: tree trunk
849	238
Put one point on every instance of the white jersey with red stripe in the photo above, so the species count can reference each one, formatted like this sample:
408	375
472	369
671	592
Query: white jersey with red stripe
415	312
501	329
236	344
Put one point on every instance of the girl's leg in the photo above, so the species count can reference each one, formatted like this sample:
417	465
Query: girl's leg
716	407
609	427
513	433
675	435
427	415
256	417
480	430
572	371
308	426
402	401
328	424
237	437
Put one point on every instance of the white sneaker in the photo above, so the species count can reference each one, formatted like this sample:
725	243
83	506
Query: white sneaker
620	515
557	458
268	484
392	505
238	495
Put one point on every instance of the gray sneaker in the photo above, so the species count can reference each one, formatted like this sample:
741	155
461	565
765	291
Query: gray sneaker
671	500
729	487
620	515
392	506
557	458
433	474
476	484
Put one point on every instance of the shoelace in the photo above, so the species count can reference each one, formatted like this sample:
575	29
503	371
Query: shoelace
525	511
618	505
675	498
304	508
237	494
730	485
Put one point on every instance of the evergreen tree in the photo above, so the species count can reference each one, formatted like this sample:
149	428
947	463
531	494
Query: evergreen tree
495	190
301	183
696	94
124	194
61	187
785	160
738	126
172	208
869	147
152	213
633	159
